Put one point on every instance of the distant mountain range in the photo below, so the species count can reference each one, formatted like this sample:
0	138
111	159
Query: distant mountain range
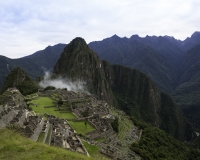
34	65
172	64
125	88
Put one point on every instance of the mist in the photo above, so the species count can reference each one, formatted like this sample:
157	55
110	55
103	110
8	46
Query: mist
63	83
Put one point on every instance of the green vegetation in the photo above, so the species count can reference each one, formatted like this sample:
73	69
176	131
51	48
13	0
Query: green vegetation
55	97
187	97
48	135
49	88
15	147
156	144
81	127
94	151
41	137
43	102
197	142
115	124
18	78
59	102
134	96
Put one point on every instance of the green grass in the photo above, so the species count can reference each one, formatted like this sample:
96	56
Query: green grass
55	96
94	151
48	136
125	124
46	101
33	95
101	139
81	128
15	147
41	137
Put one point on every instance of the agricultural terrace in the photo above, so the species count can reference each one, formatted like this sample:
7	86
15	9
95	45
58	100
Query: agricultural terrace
47	105
81	127
44	105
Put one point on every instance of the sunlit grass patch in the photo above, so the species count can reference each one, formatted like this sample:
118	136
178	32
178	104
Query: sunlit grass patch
94	151
41	137
38	105
81	127
15	147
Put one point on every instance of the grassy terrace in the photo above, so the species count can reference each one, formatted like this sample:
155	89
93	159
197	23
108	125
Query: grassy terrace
94	151
125	124
15	147
41	102
48	135
41	137
81	128
46	101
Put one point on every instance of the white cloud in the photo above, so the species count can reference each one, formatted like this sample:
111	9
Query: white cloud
61	83
28	26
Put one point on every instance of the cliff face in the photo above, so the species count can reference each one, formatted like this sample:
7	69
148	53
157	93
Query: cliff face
122	87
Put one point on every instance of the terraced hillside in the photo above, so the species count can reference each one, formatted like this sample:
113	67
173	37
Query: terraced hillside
13	146
129	141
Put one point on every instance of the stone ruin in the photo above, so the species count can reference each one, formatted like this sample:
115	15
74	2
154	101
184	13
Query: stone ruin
97	114
64	136
85	107
14	113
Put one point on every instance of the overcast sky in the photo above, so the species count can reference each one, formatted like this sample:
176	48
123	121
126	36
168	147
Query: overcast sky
27	26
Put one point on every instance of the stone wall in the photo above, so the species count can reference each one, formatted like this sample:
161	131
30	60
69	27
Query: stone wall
6	117
37	130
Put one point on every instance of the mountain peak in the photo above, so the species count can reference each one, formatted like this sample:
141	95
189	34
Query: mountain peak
77	43
115	37
195	34
78	40
135	36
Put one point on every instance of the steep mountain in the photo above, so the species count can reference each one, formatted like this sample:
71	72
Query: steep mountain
123	87
190	64
34	65
172	64
171	51
136	54
190	42
85	67
46	58
158	57
187	93
7	64
186	44
19	79
161	58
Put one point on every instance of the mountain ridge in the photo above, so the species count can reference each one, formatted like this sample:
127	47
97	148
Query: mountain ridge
115	83
164	73
34	65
